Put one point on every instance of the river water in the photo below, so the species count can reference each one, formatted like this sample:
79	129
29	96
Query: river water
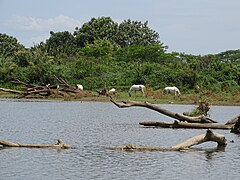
92	128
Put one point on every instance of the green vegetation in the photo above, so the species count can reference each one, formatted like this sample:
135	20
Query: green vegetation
103	53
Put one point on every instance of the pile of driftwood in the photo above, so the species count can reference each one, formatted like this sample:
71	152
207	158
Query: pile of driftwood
61	89
182	121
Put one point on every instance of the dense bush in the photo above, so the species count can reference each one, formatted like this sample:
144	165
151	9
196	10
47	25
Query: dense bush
100	60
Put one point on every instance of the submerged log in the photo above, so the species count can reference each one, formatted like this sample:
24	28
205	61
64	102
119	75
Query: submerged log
177	124
60	144
208	136
180	117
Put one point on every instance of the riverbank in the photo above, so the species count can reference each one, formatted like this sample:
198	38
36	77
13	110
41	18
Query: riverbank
222	99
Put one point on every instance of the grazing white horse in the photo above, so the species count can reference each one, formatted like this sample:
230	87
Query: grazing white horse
80	87
135	88
112	91
172	90
196	88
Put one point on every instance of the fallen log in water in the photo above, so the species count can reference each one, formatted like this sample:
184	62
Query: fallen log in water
180	117
208	136
177	124
233	120
60	144
236	127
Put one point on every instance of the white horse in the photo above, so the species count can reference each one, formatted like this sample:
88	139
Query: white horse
196	88
135	88
112	92
80	87
172	90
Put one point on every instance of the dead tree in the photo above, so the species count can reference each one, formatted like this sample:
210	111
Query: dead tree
62	89
180	117
186	145
186	125
60	144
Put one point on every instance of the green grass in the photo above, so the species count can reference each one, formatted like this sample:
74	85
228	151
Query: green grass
154	97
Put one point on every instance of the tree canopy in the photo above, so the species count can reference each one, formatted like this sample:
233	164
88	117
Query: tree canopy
105	53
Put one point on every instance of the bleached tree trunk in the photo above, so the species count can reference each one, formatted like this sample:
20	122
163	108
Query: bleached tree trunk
60	144
177	124
208	136
236	127
233	120
180	117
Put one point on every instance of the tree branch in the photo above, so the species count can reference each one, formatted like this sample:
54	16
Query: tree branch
177	124
208	136
180	117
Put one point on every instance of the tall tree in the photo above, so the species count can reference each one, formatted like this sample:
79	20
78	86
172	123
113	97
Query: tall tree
136	33
229	56
99	28
126	33
9	45
60	43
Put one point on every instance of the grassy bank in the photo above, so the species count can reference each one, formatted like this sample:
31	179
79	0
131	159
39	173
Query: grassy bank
225	99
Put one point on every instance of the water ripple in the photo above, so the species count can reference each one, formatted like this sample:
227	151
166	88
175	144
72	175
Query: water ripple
92	129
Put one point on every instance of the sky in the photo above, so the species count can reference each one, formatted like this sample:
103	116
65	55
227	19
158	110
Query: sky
197	27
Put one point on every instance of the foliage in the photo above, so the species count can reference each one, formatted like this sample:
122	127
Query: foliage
60	43
124	34
136	33
99	28
151	53
100	48
104	54
9	45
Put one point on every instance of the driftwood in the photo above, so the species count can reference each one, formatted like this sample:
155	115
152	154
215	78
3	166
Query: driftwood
60	144
236	127
102	92
208	136
62	89
180	117
177	124
233	120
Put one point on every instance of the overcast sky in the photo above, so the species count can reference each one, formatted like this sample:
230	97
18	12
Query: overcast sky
189	26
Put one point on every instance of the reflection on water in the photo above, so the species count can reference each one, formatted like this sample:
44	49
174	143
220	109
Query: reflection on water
92	128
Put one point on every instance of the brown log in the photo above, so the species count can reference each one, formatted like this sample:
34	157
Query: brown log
60	144
102	92
236	127
10	91
177	124
233	120
62	81
23	83
208	136
180	117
